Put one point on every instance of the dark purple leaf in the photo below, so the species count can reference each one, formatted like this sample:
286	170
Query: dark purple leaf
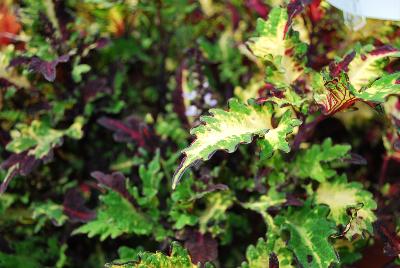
46	68
273	261
294	8
355	159
95	87
19	61
21	164
74	207
202	248
383	50
390	239
130	130
115	181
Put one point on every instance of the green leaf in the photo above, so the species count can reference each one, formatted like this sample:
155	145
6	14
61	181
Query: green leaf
313	162
225	130
284	52
309	232
368	64
48	211
150	177
116	217
341	195
179	258
381	89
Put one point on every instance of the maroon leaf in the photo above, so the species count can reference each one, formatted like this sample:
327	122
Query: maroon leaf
202	248
74	207
115	181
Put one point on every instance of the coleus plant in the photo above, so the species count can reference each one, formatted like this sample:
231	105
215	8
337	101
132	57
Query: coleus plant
293	197
336	209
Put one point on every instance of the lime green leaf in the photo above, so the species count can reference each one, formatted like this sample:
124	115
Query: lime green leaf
151	178
381	89
217	203
40	138
266	201
309	232
225	130
48	211
179	258
285	52
340	196
368	65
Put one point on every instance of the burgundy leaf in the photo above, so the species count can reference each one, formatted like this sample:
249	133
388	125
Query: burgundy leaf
336	68
234	14
202	248
74	207
115	181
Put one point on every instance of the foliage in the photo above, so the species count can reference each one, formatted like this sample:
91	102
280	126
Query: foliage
294	116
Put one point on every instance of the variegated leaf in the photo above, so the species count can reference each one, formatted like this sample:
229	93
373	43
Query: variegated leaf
225	130
342	196
368	65
381	89
285	51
